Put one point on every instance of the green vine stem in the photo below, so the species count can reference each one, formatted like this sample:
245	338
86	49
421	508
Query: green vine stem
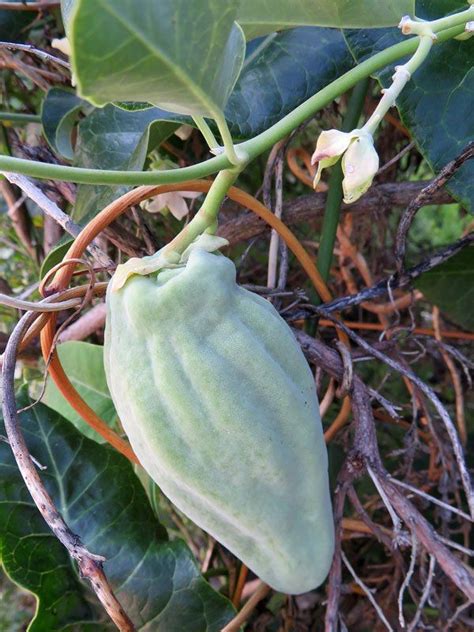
401	77
206	131
205	219
334	197
18	117
446	28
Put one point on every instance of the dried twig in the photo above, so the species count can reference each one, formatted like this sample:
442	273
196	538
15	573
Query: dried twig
360	583
402	280
425	197
424	595
28	48
365	452
429	393
432	499
53	210
309	208
90	565
407	580
234	625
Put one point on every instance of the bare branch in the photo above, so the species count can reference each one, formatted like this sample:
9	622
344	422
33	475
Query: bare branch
430	394
425	197
53	210
424	596
90	565
28	48
360	583
402	280
309	208
366	452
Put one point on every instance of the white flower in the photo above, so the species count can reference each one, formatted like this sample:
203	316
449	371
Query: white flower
173	202
329	148
360	161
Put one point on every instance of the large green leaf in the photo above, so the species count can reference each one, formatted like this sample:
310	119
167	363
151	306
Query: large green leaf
450	286
84	365
258	17
102	500
283	71
59	113
436	105
114	138
179	55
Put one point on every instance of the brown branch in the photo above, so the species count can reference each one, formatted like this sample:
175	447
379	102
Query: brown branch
50	208
309	208
365	453
90	565
426	196
430	394
28	48
401	280
31	6
335	573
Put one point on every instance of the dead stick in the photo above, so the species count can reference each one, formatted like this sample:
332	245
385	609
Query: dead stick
90	565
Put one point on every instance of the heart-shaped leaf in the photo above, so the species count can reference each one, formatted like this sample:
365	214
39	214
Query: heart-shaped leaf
102	500
181	56
115	138
58	115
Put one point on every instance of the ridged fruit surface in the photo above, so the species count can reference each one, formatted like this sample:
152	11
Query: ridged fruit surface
220	407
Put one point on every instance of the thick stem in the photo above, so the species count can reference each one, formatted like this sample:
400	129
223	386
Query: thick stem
18	117
334	198
206	218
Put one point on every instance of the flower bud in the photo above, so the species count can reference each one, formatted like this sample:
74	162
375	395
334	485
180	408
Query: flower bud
360	163
329	148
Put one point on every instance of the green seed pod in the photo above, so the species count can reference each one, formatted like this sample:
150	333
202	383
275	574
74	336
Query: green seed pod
220	407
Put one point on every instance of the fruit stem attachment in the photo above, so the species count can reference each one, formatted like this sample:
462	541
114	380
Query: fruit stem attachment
205	219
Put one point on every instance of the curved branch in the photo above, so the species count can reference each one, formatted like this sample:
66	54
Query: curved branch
90	565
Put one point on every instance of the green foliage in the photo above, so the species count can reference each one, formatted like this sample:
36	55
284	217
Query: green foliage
436	105
450	286
280	72
258	17
114	138
59	113
84	365
100	497
124	50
